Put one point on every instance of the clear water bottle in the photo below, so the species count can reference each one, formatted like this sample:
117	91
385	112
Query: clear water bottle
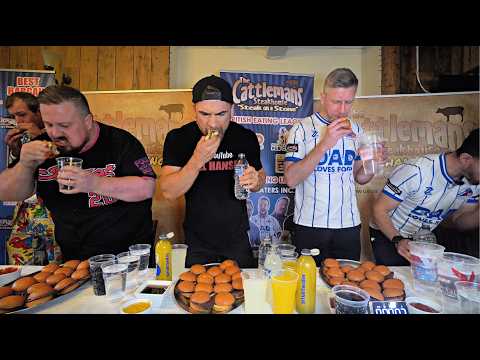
273	262
265	246
240	165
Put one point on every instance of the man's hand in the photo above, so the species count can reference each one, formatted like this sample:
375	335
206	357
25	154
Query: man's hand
34	153
403	248
81	180
335	131
250	178
205	150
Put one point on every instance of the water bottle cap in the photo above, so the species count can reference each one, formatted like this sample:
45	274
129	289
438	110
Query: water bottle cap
305	252
166	236
315	252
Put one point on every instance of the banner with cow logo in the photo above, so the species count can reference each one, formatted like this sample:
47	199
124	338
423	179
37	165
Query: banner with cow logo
269	104
31	81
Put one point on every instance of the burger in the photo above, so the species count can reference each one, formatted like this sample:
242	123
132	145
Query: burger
204	287
370	284
200	303
361	269
394	294
237	275
384	270
5	291
222	278
42	276
331	263
367	265
63	284
214	271
375	276
393	284
186	288
237	292
50	268
53	149
336	281
335	272
23	283
223	302
356	276
72	264
205	278
232	270
351	283
227	263
374	294
211	134
347	268
11	302
188	276
40	292
39	301
224	287
198	269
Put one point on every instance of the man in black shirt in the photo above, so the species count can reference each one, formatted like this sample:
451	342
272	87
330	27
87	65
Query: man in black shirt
201	168
108	206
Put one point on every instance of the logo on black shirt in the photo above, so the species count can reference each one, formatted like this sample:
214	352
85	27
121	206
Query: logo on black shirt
392	187
292	147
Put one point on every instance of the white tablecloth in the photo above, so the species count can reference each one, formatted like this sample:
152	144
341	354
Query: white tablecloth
83	301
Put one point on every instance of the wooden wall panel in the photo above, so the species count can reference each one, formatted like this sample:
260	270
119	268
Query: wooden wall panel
4	57
142	65
71	64
88	67
160	67
106	68
34	57
124	68
18	57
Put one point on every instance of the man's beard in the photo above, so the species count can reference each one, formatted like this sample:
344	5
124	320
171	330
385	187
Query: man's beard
73	150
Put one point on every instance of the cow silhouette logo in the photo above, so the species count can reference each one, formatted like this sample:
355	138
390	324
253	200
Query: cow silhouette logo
172	108
451	110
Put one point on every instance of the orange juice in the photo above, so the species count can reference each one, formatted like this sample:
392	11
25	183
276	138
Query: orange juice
284	284
163	257
307	282
290	265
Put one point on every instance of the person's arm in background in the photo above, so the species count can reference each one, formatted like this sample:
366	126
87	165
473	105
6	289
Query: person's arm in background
465	218
18	183
299	169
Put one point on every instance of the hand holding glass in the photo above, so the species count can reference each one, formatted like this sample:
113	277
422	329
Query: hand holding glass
68	161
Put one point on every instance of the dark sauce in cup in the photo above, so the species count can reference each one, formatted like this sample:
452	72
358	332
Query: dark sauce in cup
153	290
424	307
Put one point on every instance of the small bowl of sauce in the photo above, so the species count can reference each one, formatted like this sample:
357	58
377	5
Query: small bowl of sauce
417	305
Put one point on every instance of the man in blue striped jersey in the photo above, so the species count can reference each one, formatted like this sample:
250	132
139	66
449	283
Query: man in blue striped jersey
420	194
322	165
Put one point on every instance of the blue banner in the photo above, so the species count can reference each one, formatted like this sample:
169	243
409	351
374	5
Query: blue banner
269	104
11	81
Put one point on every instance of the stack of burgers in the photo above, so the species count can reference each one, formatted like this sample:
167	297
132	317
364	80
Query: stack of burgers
377	280
53	280
210	289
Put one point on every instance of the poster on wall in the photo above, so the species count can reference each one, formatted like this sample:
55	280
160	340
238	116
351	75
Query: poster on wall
412	126
149	115
269	104
31	81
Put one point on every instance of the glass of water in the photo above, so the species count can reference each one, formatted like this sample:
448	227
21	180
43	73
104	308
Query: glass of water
142	250
132	262
115	278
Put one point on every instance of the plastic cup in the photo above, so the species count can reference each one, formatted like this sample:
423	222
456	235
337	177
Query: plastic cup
96	271
142	250
469	296
371	148
350	300
115	278
425	237
179	254
68	161
284	286
454	267
289	262
423	264
286	249
255	291
132	271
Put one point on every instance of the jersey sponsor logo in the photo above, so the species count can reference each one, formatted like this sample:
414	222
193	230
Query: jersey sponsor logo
144	166
395	189
427	216
428	191
314	134
343	163
292	147
467	192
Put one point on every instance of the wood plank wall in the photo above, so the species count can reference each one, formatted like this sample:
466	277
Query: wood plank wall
99	67
399	66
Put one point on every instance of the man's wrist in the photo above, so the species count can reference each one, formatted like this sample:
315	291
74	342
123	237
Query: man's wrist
397	238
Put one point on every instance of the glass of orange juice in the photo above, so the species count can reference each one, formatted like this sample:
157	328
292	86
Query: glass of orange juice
284	285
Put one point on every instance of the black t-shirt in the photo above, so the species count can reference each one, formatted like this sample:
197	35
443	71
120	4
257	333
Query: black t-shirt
88	224
212	211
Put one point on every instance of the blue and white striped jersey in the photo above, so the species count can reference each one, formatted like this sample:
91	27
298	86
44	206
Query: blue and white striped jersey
326	198
427	194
